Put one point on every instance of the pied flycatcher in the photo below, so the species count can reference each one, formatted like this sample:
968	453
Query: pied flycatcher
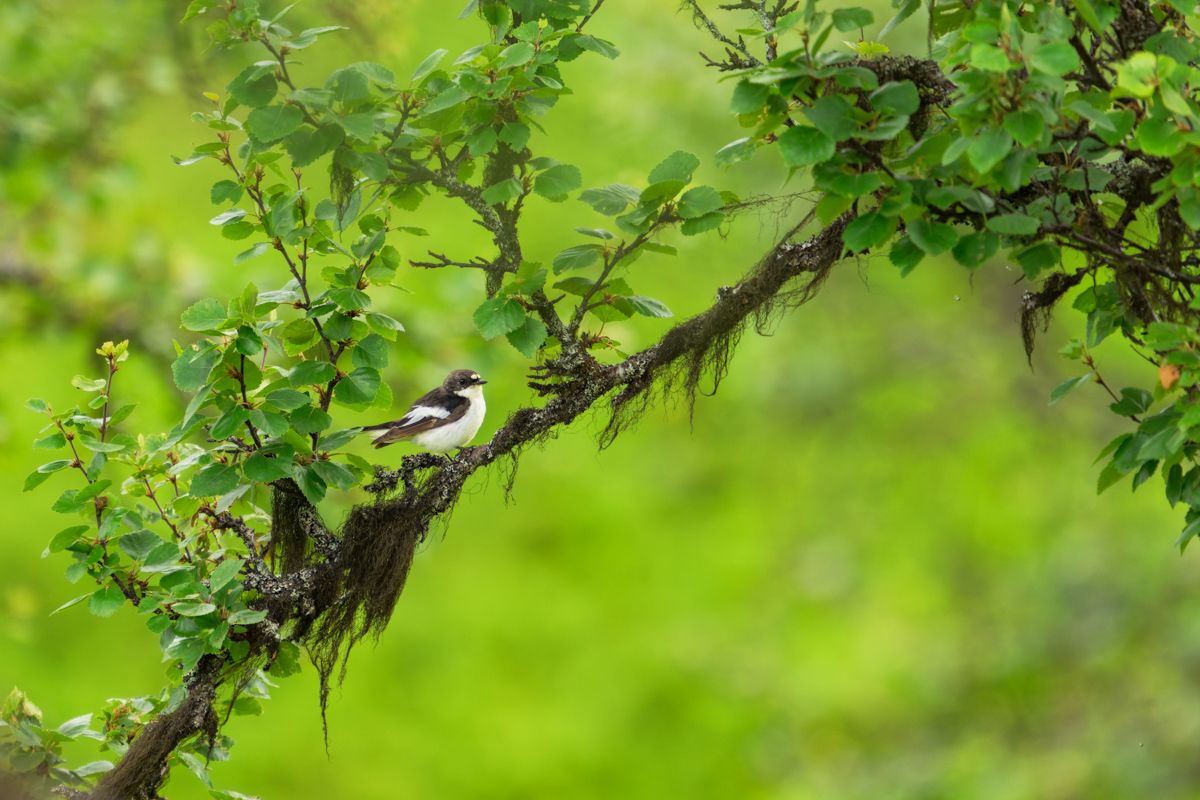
441	420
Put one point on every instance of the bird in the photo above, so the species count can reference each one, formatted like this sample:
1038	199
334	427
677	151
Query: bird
440	420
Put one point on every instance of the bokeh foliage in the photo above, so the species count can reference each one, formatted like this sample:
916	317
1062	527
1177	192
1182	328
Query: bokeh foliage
750	693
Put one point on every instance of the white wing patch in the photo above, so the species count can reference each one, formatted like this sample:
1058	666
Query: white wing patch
413	416
418	413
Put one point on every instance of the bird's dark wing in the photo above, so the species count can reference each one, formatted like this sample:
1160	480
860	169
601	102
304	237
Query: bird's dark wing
432	410
431	399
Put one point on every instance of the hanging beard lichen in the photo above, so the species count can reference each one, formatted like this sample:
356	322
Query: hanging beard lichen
703	345
378	544
288	542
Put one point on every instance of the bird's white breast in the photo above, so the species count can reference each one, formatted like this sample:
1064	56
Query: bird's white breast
460	432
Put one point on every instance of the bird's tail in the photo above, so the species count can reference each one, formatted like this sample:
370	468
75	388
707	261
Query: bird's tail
380	427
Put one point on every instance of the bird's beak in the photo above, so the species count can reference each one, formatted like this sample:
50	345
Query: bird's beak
480	381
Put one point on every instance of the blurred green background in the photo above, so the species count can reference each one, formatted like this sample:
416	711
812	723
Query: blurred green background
873	567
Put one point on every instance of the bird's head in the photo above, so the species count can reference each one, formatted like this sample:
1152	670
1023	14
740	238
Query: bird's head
463	382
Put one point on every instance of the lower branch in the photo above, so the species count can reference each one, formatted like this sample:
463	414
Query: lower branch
145	765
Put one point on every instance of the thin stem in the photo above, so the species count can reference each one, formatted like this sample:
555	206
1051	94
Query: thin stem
112	370
246	400
175	530
587	17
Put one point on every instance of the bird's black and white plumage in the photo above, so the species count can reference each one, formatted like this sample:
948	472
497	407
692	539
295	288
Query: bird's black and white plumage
441	420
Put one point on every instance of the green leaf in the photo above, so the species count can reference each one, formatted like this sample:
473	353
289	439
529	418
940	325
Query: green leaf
593	44
656	194
193	609
35	479
1026	126
499	315
898	98
215	479
287	399
384	325
272	123
248	616
749	98
358	126
906	255
188	650
1038	257
251	252
307	145
576	285
707	222
577	257
262	468
678	166
1064	388
482	141
515	135
833	116
975	248
988	148
287	660
529	337
231	215
225	572
335	474
359	386
139	544
205	315
309	419
597	233
73	601
225	192
906	9
1133	401
612	199
191	369
310	484
51	441
1139	75
229	422
557	182
869	230
65	537
648	306
699	201
502	192
734	152
1014	224
448	98
1160	137
934	238
269	422
1087	11
307	373
338	439
1054	58
515	55
428	64
53	466
802	146
105	601
254	86
1189	532
852	18
371	352
349	86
